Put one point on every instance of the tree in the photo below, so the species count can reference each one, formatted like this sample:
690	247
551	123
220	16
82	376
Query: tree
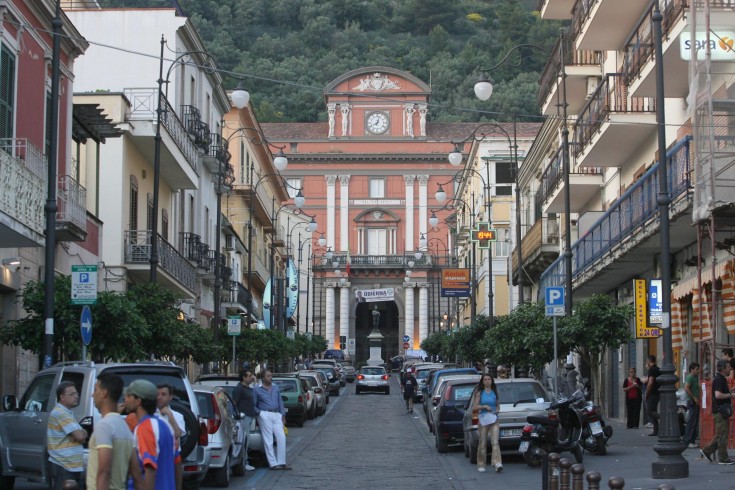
468	339
596	327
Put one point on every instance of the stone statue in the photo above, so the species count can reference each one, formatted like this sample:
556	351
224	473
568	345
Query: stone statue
409	108
423	109
331	110
345	110
376	319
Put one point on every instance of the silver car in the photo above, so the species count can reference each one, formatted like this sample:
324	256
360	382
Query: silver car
372	378
319	389
226	433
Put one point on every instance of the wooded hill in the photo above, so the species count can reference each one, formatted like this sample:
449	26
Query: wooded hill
291	49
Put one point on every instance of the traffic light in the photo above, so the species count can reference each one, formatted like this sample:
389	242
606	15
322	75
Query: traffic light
342	342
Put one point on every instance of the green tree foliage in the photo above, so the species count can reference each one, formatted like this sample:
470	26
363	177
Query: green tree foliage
311	42
439	344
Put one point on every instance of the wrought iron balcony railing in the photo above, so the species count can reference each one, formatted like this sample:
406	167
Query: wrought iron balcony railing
138	251
572	57
23	180
580	13
397	261
219	148
72	202
239	294
554	172
198	130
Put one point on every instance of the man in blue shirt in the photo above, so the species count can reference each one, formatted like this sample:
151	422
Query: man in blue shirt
272	419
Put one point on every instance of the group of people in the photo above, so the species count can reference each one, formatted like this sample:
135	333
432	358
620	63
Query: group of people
140	451
637	390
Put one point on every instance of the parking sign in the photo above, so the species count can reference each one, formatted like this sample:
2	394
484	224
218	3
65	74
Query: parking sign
554	301
83	284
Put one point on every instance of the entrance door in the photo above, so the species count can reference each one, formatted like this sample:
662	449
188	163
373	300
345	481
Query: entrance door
388	326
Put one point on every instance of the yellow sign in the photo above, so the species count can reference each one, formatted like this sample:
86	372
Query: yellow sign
642	330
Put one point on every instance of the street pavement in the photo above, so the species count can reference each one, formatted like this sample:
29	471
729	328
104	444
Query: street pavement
368	441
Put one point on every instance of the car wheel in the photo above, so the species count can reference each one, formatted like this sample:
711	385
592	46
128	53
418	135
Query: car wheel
357	391
466	450
387	391
189	440
6	482
578	453
601	446
190	484
534	456
301	421
473	454
239	468
222	475
312	413
441	445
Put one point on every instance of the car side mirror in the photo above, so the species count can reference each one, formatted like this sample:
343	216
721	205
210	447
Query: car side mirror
10	403
318	390
284	398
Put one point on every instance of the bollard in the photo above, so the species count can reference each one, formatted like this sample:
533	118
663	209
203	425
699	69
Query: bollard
593	480
666	486
564	465
616	483
554	471
578	477
545	472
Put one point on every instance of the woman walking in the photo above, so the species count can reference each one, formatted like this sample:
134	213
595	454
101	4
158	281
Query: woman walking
633	398
487	406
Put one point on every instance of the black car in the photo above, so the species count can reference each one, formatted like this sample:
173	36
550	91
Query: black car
394	363
449	412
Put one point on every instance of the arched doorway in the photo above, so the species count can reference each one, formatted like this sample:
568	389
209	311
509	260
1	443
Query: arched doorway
388	326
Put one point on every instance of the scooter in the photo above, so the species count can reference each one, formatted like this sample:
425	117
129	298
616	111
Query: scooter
560	431
595	433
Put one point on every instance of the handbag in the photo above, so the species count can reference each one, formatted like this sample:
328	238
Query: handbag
725	409
487	418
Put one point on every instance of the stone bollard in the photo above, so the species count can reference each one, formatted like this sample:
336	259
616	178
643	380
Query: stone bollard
593	480
578	477
554	471
616	483
564	465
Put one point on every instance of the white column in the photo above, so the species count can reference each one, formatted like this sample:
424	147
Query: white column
409	179
423	203
344	198
330	316
344	309
409	315
423	312
331	180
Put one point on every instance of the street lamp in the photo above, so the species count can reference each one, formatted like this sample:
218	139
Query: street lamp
483	91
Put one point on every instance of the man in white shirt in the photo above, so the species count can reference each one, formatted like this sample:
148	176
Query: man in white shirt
164	411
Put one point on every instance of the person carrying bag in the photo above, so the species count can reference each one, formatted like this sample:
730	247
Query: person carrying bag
487	406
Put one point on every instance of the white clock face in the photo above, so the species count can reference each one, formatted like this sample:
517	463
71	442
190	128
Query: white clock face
377	122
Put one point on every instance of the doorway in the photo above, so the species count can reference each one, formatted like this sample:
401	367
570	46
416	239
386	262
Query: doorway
387	324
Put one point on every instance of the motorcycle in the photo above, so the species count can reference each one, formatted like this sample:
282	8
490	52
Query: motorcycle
560	431
595	433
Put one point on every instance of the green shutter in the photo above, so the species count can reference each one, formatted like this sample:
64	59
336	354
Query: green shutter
7	92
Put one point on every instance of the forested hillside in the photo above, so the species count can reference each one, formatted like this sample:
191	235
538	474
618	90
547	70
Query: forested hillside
291	49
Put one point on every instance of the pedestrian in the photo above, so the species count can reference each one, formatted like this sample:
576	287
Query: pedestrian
486	405
632	386
156	448
571	378
174	419
409	386
721	402
652	392
244	400
691	386
272	420
111	444
65	438
727	354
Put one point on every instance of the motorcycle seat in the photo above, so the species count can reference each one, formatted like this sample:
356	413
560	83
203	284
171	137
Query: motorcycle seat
533	419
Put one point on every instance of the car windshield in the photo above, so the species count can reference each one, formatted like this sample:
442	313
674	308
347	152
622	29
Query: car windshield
205	402
422	374
511	393
462	393
286	385
373	371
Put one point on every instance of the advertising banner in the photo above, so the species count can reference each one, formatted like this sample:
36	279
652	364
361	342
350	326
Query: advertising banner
267	305
374	295
455	283
292	285
642	329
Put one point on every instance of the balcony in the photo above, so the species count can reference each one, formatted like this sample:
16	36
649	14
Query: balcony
540	247
236	299
174	270
625	240
555	9
584	182
610	117
217	154
580	67
23	196
364	262
179	153
71	215
603	25
259	272
198	130
261	201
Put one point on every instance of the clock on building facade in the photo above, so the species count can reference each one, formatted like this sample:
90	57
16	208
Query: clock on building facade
377	122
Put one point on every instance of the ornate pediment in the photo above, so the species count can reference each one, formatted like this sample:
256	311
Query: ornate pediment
377	82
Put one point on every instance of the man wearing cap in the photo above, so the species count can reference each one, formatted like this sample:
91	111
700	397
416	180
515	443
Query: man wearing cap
155	446
272	419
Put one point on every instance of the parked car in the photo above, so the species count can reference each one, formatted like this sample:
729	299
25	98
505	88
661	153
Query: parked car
430	386
519	398
293	391
372	378
320	391
310	398
395	363
23	423
332	378
228	382
432	400
350	372
421	373
336	354
449	411
226	433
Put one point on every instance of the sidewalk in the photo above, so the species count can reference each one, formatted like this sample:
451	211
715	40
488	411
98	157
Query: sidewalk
630	454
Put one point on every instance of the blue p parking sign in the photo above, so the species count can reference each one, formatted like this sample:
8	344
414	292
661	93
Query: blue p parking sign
554	301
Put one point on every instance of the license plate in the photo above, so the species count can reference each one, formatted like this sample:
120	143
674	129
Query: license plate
596	428
523	447
511	433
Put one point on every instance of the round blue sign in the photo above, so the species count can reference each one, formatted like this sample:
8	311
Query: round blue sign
406	338
85	325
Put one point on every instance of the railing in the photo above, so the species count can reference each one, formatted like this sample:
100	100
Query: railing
572	57
362	261
580	14
23	181
197	129
239	295
611	96
124	4
143	102
138	251
191	246
640	44
633	210
553	174
545	231
72	202
219	148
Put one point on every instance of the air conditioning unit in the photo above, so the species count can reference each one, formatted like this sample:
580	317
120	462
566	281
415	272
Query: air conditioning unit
230	242
592	83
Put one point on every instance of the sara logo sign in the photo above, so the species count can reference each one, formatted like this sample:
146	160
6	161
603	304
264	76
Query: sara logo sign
720	43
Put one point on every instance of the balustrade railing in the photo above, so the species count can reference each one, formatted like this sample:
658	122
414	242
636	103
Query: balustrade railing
72	202
198	130
363	261
219	148
572	57
580	13
138	251
633	210
23	181
239	294
191	246
610	97
554	172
